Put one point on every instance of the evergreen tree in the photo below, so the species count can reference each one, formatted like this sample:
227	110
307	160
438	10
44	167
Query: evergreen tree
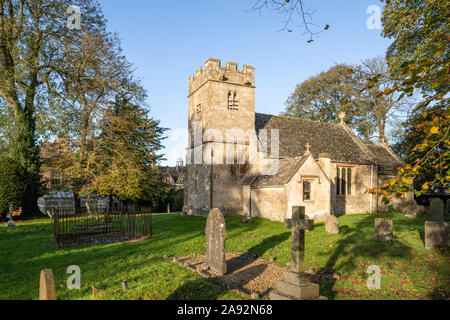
124	159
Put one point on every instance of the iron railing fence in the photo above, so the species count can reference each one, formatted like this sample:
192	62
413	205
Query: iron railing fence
87	228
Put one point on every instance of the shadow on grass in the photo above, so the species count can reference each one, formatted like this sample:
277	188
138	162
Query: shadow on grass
195	289
357	243
268	243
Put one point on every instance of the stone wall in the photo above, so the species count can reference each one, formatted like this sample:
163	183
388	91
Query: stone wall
319	205
269	203
359	200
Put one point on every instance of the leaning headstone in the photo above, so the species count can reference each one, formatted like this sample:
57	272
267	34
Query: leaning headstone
332	225
297	284
383	230
47	289
215	242
437	234
437	210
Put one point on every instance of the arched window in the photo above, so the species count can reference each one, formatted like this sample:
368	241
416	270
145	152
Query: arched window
232	100
338	181
349	181
343	182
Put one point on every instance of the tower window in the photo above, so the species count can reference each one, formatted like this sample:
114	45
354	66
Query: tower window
232	101
198	110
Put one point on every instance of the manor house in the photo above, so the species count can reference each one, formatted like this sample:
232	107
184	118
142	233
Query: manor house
278	162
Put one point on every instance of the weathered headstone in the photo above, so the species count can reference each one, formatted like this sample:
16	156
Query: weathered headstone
448	207
411	208
437	210
332	224
215	242
297	284
437	234
10	221
383	230
47	289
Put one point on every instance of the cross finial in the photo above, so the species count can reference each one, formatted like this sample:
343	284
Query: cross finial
342	116
307	148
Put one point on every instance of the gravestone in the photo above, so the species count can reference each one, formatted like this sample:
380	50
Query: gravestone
437	210
383	230
448	207
297	284
47	289
411	208
437	234
10	221
332	224
215	242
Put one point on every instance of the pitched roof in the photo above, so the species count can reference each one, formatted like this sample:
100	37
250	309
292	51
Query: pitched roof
287	168
387	161
329	138
174	172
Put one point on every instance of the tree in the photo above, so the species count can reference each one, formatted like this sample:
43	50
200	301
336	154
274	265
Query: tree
419	56
12	190
325	96
124	159
383	110
411	136
92	75
295	11
31	36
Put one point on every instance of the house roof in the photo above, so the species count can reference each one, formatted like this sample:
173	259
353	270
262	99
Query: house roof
287	168
335	139
174	172
388	162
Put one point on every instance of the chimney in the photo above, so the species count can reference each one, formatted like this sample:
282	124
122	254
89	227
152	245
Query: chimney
325	163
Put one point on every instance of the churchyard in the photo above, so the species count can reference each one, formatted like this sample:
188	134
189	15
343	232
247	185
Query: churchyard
338	263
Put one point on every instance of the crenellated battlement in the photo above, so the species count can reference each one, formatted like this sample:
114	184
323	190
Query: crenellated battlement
213	71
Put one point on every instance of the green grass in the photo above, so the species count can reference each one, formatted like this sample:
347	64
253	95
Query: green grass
409	271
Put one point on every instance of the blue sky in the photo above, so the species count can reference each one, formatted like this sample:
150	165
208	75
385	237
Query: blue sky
167	40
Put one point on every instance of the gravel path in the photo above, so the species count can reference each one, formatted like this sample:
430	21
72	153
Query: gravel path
249	274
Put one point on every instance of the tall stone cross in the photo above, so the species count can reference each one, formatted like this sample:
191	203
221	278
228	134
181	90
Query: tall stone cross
298	224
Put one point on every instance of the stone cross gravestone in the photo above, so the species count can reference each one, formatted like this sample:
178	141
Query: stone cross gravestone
215	242
437	210
332	224
47	289
383	230
297	284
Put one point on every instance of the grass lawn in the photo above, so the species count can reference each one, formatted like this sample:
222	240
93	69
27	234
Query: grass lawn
408	270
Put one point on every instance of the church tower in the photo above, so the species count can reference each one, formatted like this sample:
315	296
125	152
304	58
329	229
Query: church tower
221	102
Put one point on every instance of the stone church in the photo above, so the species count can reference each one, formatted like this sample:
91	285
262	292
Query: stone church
261	165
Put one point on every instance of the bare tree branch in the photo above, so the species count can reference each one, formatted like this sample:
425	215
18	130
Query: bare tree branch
294	11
